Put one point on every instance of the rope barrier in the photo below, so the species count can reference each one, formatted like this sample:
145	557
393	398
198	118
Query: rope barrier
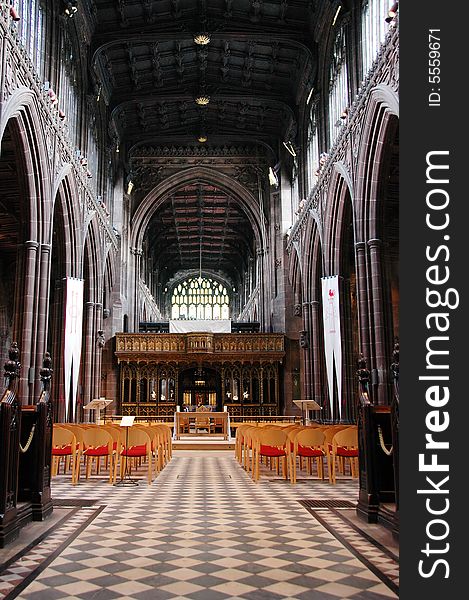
30	439
387	451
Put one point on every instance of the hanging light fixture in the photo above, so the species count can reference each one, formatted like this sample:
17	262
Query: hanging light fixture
202	39
202	138
200	260
202	99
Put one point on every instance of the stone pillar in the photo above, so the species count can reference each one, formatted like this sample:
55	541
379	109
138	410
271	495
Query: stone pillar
135	265
379	370
42	312
262	282
305	343
97	349
28	295
87	353
316	336
362	298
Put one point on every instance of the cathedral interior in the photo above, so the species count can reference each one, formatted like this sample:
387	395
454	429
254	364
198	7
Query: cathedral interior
199	209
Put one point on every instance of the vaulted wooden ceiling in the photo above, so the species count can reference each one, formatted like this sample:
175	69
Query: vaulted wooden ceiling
201	225
257	69
258	64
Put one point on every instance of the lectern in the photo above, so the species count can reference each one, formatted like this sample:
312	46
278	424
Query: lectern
98	404
125	479
306	406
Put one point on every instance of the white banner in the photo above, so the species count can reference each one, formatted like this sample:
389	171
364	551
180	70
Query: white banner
72	343
332	338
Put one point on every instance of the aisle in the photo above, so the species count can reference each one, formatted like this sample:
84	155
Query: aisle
203	530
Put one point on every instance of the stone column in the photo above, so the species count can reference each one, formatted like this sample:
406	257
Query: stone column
380	368
316	336
135	265
29	293
87	352
97	349
305	343
262	282
42	312
362	297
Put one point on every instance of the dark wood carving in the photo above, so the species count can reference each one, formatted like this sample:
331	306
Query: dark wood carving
25	452
35	453
377	478
395	419
10	426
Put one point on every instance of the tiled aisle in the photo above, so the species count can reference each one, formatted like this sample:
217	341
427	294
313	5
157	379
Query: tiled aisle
203	530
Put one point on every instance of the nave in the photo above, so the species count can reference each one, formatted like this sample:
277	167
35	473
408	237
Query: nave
203	530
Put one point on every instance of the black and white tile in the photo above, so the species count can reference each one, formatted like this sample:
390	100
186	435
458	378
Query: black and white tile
204	531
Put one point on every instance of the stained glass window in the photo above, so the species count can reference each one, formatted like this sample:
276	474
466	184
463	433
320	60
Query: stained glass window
200	298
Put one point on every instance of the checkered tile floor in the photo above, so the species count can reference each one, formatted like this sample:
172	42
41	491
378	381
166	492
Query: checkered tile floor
203	531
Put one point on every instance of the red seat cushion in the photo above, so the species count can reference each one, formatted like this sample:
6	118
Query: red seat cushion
135	451
63	451
308	451
341	451
98	451
272	451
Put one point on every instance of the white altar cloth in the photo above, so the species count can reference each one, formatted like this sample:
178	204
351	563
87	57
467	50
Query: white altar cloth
206	326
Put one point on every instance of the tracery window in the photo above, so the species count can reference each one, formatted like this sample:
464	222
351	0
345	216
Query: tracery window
31	30
200	298
69	83
338	85
374	29
312	156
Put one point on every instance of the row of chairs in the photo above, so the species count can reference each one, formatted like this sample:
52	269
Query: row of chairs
150	444
288	446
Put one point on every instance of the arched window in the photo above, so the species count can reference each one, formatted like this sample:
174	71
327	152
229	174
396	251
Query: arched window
200	298
31	30
374	29
338	85
312	156
69	84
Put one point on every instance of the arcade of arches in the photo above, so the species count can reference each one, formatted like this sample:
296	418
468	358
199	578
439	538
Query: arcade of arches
187	219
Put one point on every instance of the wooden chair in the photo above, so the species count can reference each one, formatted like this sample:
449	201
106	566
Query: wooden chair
64	445
329	433
98	443
138	446
78	431
202	422
239	441
345	444
272	443
184	423
249	435
166	441
308	443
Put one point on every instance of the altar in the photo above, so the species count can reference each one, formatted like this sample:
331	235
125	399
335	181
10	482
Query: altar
202	423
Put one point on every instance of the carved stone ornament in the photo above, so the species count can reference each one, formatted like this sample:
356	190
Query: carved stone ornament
304	342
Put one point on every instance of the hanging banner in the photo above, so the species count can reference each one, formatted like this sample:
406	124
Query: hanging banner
72	343
332	338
